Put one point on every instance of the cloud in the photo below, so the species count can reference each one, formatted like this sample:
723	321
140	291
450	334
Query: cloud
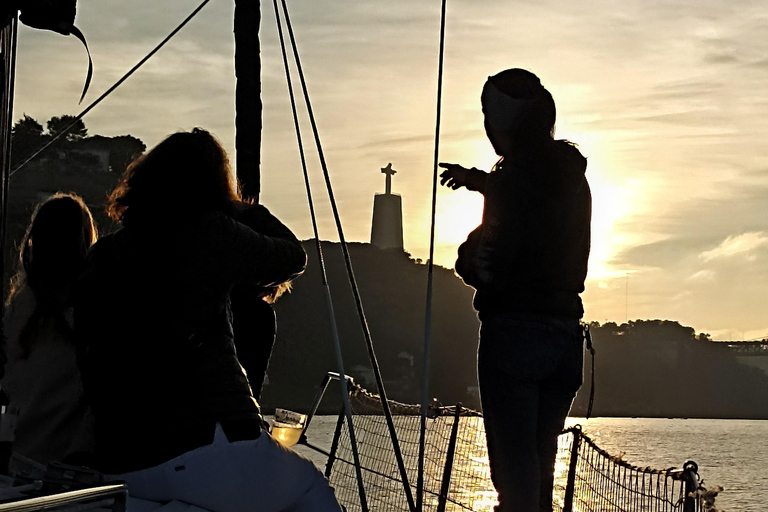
667	253
720	58
684	89
703	275
689	117
396	141
736	245
761	64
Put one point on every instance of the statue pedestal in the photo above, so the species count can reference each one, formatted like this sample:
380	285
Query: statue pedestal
387	225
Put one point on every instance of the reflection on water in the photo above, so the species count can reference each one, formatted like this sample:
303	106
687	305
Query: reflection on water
724	449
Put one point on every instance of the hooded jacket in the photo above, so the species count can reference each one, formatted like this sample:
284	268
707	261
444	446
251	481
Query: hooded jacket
530	252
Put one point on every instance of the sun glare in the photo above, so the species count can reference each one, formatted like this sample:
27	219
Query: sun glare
457	214
610	204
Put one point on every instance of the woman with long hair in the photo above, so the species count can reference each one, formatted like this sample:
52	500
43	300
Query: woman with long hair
174	413
527	262
41	375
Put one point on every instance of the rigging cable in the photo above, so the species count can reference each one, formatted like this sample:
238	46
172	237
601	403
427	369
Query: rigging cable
430	265
324	275
111	89
350	272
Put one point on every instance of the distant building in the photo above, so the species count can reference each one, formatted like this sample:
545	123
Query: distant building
387	225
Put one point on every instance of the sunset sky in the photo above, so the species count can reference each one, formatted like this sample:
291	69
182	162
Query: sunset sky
667	99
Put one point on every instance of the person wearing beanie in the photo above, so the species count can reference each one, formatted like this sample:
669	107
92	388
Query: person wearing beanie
527	262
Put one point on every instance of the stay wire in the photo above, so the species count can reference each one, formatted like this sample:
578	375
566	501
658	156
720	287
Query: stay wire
324	276
430	266
111	89
350	272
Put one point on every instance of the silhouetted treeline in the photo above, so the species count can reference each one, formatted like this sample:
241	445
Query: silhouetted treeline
659	368
28	136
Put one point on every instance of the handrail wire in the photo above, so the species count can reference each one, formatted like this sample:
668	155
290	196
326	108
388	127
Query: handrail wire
323	273
430	265
111	89
350	272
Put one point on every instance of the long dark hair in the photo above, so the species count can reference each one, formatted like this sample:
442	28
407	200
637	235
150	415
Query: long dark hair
186	172
51	256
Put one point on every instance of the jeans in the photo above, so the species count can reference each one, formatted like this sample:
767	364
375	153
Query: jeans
529	368
242	476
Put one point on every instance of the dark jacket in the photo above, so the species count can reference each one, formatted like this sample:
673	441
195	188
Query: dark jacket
153	322
254	321
530	252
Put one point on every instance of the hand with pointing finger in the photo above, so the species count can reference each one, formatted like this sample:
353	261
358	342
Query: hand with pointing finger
455	176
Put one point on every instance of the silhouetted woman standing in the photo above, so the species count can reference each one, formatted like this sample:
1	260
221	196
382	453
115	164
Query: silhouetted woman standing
527	262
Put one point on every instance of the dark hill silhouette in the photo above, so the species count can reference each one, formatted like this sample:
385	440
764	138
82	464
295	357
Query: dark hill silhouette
652	368
393	289
659	368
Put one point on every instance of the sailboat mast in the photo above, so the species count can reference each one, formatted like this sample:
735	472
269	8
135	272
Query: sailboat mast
8	34
248	96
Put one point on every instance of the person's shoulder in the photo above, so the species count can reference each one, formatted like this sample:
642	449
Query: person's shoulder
213	218
568	156
246	211
101	247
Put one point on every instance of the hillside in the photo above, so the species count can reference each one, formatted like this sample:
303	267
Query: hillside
393	288
654	368
659	368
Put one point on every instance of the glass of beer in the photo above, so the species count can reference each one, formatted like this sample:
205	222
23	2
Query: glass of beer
287	427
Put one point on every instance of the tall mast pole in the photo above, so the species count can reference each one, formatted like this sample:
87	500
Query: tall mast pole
248	96
8	35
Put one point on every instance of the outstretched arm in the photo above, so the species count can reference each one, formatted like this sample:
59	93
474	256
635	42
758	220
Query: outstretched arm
455	176
265	248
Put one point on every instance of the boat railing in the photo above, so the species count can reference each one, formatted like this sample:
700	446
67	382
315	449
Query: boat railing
34	497
456	469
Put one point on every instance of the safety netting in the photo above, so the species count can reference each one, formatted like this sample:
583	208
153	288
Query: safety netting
456	469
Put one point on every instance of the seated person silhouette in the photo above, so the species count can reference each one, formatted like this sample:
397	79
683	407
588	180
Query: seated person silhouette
175	417
41	375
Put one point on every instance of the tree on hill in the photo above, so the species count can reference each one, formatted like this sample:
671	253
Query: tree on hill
56	125
123	149
27	136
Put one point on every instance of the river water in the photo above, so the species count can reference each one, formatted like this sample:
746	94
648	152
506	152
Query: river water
732	454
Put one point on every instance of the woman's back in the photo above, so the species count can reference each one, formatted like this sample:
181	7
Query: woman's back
153	316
